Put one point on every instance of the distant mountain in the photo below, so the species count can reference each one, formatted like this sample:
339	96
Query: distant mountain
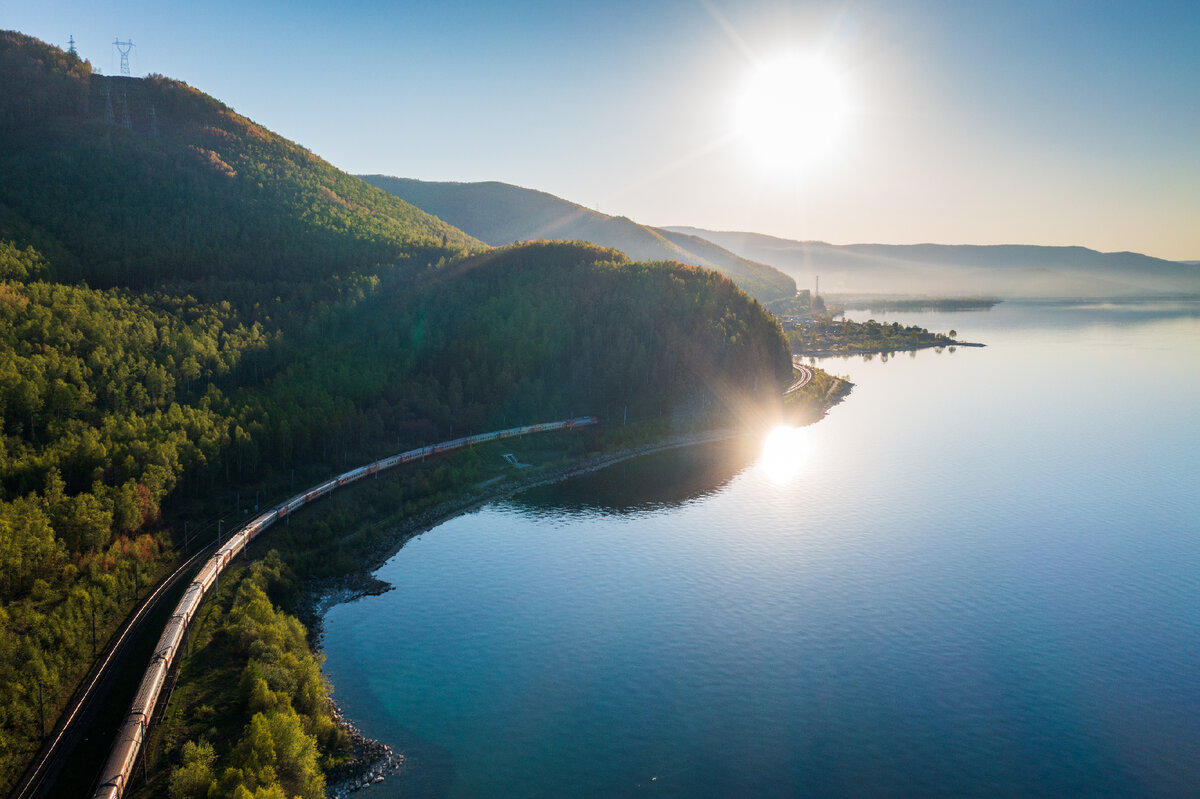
1008	271
500	213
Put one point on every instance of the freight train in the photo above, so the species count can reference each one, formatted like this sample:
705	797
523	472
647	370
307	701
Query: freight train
121	762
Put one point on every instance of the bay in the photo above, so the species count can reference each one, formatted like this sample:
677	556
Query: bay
979	576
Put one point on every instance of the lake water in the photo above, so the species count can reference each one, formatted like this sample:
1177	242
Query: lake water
979	576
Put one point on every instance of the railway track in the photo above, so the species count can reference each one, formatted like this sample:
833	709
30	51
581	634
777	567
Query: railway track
54	749
806	376
122	761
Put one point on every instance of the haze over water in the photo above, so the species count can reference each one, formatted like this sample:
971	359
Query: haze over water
982	579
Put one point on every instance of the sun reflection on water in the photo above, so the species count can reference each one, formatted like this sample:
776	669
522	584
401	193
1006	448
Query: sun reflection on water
785	453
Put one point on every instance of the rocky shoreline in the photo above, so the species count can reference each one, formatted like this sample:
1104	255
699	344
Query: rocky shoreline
371	764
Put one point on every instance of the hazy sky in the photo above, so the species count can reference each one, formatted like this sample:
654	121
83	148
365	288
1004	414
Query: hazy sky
1040	122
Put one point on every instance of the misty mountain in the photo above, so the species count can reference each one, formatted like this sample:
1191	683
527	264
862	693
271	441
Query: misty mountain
1007	271
500	213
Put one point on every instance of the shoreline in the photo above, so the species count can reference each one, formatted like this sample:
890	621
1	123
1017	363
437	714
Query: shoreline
932	345
372	761
322	595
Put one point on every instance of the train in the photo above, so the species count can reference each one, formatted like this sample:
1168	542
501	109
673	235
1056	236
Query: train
128	742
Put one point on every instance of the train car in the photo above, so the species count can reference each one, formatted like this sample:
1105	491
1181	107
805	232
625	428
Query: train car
122	760
232	546
172	637
156	675
207	574
190	601
263	522
351	476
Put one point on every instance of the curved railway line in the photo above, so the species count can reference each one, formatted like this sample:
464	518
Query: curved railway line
122	761
805	378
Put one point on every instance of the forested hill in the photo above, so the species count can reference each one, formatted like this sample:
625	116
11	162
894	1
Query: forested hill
570	326
131	181
500	213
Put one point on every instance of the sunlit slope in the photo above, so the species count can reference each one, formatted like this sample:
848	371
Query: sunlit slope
1010	271
543	329
124	181
500	213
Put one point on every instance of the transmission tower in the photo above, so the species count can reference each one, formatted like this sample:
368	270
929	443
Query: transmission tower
71	45
124	48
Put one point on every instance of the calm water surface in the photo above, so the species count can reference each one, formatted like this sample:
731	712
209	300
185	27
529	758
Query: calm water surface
979	576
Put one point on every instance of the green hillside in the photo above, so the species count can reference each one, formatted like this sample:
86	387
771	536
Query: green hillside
194	311
499	213
568	327
124	181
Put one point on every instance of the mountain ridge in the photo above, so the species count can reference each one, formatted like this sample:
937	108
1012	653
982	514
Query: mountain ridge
501	213
1003	270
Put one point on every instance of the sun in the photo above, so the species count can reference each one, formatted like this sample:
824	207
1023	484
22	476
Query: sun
793	112
785	452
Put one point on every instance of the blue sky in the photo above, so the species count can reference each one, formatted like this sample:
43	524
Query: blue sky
973	122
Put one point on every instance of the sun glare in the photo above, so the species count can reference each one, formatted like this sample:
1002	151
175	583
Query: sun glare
793	112
785	453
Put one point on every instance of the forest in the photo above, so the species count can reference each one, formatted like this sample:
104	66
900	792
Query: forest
194	311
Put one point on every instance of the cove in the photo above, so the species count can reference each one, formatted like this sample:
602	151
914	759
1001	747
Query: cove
981	579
